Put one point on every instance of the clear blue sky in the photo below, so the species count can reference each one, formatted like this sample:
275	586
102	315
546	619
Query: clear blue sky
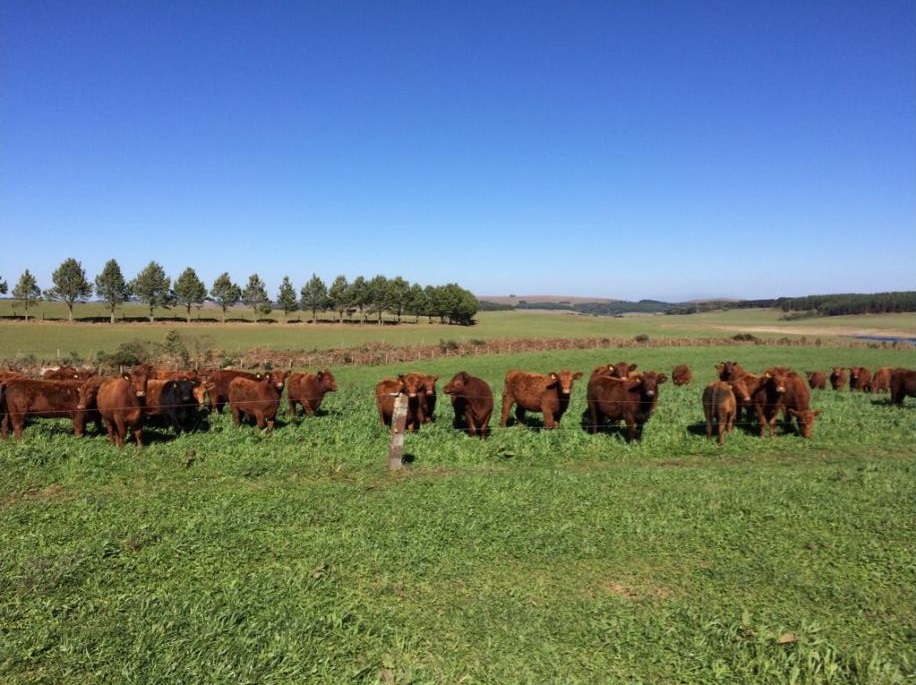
630	149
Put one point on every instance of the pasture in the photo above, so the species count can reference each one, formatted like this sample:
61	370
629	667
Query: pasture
536	556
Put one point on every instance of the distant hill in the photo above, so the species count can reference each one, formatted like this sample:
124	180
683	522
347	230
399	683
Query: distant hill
549	299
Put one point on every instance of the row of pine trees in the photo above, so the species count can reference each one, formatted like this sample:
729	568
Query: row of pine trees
366	298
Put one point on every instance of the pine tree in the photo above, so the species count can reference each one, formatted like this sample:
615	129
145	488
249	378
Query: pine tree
111	287
255	296
28	291
286	297
225	293
70	285
339	294
315	296
153	287
189	290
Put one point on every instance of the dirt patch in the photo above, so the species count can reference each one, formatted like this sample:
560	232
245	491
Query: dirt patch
633	593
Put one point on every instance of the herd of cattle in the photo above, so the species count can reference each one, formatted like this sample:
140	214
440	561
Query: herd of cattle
122	404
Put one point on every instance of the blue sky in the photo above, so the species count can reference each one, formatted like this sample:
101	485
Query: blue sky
628	149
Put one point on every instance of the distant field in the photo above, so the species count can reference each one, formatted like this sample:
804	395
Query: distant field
51	339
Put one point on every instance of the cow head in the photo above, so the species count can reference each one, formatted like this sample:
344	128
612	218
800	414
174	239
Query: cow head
805	418
777	377
729	370
276	379
138	378
739	387
457	385
564	380
411	384
326	381
429	384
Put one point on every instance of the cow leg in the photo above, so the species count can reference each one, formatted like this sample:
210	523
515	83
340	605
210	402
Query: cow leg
506	408
18	421
291	410
519	415
549	417
236	415
631	428
138	435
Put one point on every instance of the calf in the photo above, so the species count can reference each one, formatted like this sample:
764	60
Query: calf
69	373
719	408
768	398
903	384
881	381
472	401
817	380
618	370
859	379
632	400
410	384
797	404
729	371
257	398
428	403
216	384
28	397
838	378
178	404
681	375
548	394
120	403
307	390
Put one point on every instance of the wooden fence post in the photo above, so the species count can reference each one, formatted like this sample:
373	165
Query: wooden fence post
398	424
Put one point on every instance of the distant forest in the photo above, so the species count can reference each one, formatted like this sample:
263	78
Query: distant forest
794	307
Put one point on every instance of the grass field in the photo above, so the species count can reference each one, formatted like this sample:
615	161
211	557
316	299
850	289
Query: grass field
534	557
52	340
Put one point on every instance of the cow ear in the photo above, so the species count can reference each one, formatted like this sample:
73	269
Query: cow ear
552	375
125	376
632	367
661	378
577	375
818	412
435	378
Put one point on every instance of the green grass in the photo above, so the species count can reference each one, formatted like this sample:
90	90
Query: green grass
51	340
534	557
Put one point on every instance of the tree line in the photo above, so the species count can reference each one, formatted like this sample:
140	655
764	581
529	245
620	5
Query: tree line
840	304
367	298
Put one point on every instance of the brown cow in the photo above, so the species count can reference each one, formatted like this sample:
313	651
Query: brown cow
428	403
618	370
838	378
817	380
797	403
472	401
768	398
216	384
258	398
631	399
307	390
681	375
881	381
548	394
410	384
859	379
903	384
729	371
67	373
29	397
120	403
719	408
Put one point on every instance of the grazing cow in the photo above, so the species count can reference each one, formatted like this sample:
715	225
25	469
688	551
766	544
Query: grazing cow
881	381
410	384
29	397
66	373
682	375
548	394
838	378
257	398
719	408
307	390
216	384
729	371
797	404
178	404
120	403
859	379
903	384
631	399
768	397
817	380
472	401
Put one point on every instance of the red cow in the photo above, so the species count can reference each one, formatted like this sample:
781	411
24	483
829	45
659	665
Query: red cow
903	384
618	370
859	379
631	399
729	371
797	403
817	380
881	381
258	398
410	384
65	373
768	398
681	375
472	401
28	397
428	403
216	384
838	378
548	394
120	403
307	390
719	408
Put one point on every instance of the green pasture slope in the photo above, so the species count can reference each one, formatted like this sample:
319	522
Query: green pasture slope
50	340
534	557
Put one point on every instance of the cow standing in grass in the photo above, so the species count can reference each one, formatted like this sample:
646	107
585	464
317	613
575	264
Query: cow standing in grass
817	380
409	384
797	404
631	400
903	385
472	401
307	390
838	378
546	393
257	398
